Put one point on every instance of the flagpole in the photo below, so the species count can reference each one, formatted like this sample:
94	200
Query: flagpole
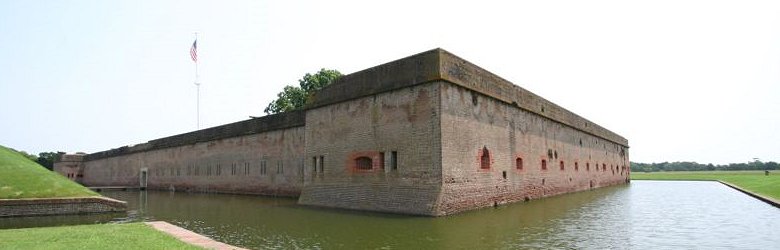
197	85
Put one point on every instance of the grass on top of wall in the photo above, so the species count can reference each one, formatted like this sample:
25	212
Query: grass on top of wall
98	236
22	178
753	181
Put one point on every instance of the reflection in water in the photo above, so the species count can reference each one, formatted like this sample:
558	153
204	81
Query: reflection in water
644	214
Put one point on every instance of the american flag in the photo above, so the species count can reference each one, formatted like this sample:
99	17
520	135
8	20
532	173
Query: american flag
194	51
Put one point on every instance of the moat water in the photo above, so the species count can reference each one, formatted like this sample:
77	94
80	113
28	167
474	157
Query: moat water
641	215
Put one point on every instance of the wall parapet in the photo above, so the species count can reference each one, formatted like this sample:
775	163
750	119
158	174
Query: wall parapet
438	64
57	206
246	127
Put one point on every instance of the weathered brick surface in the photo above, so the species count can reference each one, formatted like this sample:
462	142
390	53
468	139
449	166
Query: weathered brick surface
236	129
230	165
55	206
405	121
471	121
70	166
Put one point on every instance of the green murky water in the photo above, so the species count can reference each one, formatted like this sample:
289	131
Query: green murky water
642	215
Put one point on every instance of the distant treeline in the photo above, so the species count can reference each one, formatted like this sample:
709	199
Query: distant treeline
693	166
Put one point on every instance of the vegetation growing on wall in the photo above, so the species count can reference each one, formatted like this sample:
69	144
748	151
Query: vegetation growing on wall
296	97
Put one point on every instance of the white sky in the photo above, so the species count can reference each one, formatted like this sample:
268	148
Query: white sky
681	80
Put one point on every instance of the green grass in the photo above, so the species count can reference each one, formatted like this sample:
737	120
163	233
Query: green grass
22	178
99	236
754	181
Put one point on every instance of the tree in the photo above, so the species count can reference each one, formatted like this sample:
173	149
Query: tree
46	159
295	98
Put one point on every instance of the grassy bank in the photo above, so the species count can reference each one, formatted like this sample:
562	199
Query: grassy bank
101	236
754	181
22	178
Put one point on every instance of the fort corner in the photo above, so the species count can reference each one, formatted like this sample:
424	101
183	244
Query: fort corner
430	134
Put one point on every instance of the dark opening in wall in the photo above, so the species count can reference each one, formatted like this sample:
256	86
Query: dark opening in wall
587	166
604	167
322	164
544	164
519	163
556	154
576	166
394	160
562	166
542	182
363	163
503	173
484	162
474	98
314	164
381	160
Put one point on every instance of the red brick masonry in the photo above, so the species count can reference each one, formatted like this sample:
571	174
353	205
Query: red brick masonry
189	236
57	206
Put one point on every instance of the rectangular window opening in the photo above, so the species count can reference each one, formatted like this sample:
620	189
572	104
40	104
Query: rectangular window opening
394	160
322	164
381	160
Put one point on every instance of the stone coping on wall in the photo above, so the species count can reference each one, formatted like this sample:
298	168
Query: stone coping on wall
188	236
766	199
440	65
247	127
59	206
